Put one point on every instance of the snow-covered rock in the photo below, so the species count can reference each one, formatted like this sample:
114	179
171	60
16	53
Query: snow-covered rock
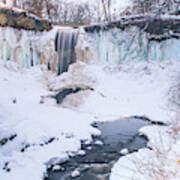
81	153
56	168
98	143
75	174
124	151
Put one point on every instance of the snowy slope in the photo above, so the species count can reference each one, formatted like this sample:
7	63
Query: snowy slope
134	88
162	162
42	133
34	125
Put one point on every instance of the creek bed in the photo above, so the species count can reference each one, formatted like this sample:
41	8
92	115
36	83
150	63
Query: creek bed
99	159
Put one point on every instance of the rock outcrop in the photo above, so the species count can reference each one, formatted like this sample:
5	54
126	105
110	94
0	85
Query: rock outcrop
20	19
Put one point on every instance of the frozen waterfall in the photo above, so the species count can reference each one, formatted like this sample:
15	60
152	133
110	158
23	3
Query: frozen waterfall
18	46
132	44
28	48
109	47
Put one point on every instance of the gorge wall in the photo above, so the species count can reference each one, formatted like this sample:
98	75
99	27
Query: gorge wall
29	41
141	37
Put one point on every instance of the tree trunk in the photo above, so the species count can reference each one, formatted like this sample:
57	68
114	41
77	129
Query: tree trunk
14	3
105	10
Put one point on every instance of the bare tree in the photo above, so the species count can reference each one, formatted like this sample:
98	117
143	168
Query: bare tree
51	9
106	4
34	7
14	3
157	7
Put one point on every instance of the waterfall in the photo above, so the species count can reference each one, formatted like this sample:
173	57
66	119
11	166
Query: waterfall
65	43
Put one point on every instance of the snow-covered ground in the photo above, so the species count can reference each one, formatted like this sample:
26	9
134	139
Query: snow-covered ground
133	88
35	125
160	163
48	133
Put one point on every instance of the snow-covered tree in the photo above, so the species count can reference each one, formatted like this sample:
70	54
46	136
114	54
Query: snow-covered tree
156	6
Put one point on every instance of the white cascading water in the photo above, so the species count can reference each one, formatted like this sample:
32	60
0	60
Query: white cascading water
65	43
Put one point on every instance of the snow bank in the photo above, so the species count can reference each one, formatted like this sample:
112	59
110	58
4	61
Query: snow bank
46	133
162	162
134	88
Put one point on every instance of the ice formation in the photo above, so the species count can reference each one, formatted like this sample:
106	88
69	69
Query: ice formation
111	47
27	48
132	44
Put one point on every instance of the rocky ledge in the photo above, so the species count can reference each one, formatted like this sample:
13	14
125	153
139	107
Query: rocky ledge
21	19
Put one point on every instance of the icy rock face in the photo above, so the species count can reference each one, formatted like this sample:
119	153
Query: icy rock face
132	44
27	48
15	46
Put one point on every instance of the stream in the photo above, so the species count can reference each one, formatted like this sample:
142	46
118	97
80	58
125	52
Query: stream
103	152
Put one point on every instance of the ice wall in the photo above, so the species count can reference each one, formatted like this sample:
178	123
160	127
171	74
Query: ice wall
132	44
15	46
27	48
111	47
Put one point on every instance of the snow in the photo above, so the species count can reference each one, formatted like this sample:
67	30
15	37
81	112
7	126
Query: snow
75	173
134	88
46	132
98	143
81	153
121	5
49	134
56	168
124	151
159	163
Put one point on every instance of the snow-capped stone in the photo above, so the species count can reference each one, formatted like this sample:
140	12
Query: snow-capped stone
124	151
56	168
98	142
75	173
81	153
89	148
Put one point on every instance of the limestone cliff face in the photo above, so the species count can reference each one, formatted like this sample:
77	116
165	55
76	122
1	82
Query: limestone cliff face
19	19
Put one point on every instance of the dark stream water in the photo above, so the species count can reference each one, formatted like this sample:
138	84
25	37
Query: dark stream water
99	159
